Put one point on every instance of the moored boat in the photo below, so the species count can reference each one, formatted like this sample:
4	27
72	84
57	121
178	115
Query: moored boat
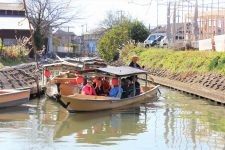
58	79
13	97
79	102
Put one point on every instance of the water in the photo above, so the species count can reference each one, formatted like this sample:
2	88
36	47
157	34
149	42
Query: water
176	121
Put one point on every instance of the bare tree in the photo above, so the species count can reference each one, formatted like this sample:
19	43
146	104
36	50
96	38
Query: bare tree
43	15
113	18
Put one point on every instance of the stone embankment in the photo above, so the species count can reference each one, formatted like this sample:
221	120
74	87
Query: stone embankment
19	77
209	86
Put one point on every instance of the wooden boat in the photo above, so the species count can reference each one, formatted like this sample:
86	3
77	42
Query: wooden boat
13	97
59	73
80	102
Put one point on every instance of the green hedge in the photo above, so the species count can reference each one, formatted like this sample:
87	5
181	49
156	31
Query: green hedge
180	61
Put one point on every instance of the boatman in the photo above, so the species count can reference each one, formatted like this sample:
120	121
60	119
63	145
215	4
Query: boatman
134	63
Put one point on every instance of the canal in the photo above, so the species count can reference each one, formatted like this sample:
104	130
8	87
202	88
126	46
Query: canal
176	121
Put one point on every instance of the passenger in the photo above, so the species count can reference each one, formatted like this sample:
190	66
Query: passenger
88	89
99	88
116	91
137	87
124	87
130	87
94	81
106	85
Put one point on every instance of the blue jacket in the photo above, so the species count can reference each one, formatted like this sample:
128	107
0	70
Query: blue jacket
114	92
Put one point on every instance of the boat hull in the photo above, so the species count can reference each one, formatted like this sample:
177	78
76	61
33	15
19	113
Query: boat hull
73	104
13	97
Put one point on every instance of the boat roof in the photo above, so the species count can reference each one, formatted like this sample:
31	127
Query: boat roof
65	64
86	60
122	71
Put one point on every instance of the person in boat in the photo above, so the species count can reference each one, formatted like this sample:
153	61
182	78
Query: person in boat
137	86
116	91
130	87
99	89
134	63
106	85
124	86
88	89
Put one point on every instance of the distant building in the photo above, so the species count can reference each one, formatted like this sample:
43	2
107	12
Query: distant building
64	37
89	41
14	24
66	42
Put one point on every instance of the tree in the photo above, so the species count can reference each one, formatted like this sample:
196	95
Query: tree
138	32
113	18
112	41
43	15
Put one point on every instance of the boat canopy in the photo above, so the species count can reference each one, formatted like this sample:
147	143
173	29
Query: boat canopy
122	71
87	61
64	63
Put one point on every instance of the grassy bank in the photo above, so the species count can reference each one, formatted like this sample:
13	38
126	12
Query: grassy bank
178	61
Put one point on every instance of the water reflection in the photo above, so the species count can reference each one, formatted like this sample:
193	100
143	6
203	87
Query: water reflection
176	121
105	127
191	122
19	113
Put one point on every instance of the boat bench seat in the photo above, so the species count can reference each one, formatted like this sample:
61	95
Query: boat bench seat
146	88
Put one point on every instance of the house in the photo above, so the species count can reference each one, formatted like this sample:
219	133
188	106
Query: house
89	41
65	42
14	24
64	37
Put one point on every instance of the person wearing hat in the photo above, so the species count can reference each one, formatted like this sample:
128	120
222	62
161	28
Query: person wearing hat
134	63
116	91
88	89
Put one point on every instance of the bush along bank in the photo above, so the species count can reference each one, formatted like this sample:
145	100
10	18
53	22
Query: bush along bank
202	69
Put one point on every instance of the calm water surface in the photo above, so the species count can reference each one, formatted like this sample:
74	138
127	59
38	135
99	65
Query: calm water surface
176	121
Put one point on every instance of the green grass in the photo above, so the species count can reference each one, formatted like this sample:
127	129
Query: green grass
12	62
180	61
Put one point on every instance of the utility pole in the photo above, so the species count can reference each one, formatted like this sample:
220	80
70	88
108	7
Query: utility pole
82	37
69	37
68	31
120	15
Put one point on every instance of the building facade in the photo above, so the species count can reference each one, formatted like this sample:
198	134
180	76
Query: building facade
14	24
89	41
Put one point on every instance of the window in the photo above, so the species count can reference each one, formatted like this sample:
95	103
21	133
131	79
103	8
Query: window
152	37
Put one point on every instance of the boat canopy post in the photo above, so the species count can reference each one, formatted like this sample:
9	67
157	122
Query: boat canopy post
134	88
119	85
146	79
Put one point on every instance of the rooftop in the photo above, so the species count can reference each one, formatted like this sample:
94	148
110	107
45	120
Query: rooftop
12	6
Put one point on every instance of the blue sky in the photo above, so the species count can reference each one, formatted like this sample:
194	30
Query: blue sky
95	10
